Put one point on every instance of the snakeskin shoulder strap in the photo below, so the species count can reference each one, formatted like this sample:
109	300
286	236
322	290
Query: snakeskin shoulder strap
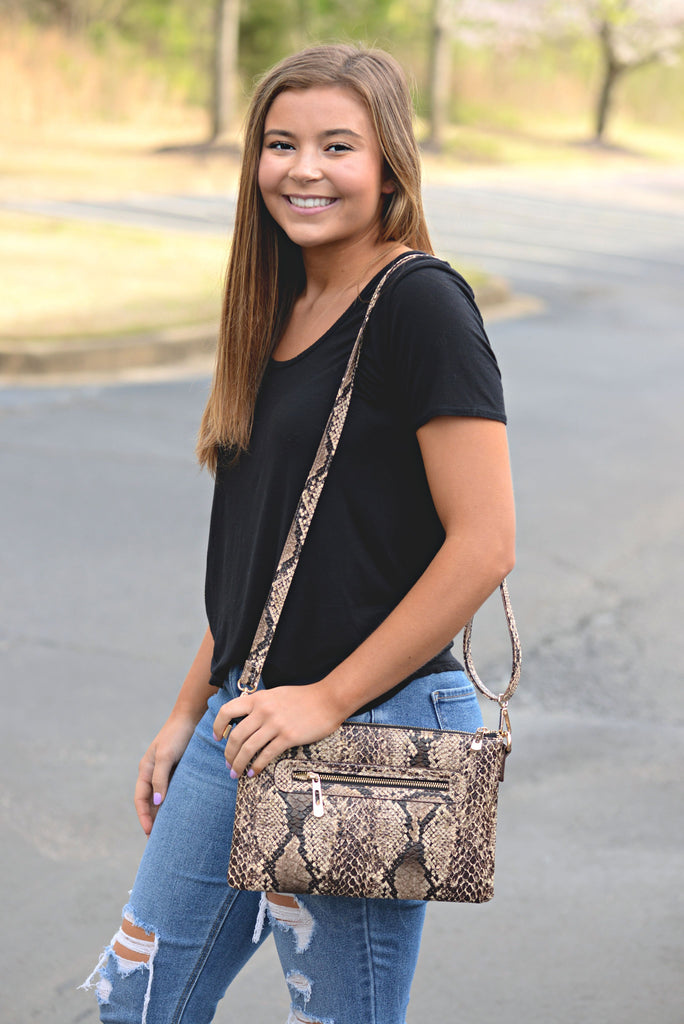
303	515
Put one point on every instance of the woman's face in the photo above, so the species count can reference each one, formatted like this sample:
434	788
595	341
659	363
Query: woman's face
321	171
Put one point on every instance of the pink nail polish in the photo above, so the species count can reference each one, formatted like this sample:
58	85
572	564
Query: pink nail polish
233	774
157	799
250	773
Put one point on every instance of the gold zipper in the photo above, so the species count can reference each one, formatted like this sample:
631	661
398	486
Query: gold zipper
372	780
315	778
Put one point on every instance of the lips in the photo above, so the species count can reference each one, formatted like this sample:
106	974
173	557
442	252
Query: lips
310	202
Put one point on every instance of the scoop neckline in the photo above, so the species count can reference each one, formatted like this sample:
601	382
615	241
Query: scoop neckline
370	286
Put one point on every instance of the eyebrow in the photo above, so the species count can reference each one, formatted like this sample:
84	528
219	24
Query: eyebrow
328	132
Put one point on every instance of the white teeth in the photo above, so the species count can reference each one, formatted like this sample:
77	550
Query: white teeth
309	202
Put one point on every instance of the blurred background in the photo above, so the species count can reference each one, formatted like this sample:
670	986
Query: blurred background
552	137
100	98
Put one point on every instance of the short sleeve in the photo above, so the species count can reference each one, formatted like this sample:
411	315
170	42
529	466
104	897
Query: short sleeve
441	360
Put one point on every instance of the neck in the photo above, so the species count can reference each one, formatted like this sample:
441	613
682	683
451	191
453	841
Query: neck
347	270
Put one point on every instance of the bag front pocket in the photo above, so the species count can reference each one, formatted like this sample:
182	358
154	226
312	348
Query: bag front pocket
369	782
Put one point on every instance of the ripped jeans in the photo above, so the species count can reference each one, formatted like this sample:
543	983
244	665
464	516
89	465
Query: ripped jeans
186	934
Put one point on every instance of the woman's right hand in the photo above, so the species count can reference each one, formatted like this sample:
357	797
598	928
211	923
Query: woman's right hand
157	766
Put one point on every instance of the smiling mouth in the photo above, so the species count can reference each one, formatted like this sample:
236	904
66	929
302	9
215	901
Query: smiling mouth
309	202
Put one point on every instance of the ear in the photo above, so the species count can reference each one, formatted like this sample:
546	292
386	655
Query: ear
388	186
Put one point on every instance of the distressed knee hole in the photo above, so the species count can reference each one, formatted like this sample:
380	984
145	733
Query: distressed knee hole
285	912
281	899
299	1017
131	950
300	984
132	943
103	990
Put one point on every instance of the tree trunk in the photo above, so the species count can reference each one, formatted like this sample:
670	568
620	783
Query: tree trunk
440	74
225	66
612	69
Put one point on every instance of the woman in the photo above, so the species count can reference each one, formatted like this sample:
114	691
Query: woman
413	531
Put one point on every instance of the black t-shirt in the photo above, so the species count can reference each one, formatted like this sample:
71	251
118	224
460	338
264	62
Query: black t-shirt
425	354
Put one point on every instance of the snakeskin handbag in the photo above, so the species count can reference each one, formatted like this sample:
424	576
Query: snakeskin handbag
371	810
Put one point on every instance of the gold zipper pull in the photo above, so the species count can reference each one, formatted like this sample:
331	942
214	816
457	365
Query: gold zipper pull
478	738
316	794
505	726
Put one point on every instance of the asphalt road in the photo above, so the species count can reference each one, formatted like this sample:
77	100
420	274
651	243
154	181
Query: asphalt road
104	519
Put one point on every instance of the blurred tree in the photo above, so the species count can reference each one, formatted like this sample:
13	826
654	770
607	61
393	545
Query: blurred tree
270	29
266	28
224	92
439	65
495	24
631	34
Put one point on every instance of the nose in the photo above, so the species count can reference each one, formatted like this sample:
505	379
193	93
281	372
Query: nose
305	165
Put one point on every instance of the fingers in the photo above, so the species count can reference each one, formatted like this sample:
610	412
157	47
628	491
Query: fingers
266	755
243	748
228	714
164	764
154	773
247	738
143	794
249	727
268	722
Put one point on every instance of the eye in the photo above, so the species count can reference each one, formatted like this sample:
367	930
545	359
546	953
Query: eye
339	147
280	145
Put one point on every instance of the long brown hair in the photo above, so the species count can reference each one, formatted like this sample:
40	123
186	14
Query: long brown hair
265	271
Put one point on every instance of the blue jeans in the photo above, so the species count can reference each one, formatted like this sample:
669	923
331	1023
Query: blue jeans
201	932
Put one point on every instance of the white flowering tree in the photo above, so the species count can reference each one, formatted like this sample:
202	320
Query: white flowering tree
630	34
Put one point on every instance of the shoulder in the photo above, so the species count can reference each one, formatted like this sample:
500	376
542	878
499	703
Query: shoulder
431	345
425	301
425	292
421	276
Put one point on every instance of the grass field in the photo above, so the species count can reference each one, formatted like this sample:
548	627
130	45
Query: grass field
65	279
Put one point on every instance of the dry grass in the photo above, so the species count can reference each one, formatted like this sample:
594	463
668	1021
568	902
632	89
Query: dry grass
47	77
65	279
78	126
558	143
78	123
90	160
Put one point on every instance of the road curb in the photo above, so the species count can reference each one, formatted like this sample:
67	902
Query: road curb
174	346
107	354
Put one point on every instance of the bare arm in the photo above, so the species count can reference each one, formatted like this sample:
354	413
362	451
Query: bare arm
467	466
166	749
